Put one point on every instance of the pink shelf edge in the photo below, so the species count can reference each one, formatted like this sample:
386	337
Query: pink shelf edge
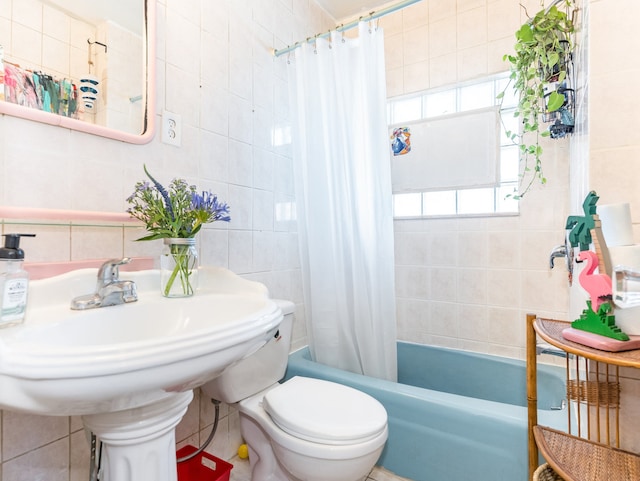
65	215
43	270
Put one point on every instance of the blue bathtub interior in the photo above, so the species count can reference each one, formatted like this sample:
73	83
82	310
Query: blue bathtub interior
453	415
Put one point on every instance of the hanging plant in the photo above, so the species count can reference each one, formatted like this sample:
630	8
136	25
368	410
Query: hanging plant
539	71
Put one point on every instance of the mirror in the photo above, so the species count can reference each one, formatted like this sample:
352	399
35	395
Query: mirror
82	65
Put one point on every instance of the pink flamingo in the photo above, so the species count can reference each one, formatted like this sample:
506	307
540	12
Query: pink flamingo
597	285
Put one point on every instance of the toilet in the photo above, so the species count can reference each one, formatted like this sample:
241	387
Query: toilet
303	429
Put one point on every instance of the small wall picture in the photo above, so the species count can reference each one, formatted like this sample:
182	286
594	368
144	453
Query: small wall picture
401	141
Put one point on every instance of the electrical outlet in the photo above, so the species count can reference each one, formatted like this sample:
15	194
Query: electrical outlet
171	128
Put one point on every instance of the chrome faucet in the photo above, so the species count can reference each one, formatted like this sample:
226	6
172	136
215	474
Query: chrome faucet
110	290
565	251
558	251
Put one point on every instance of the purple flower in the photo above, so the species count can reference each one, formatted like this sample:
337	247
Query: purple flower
208	204
163	192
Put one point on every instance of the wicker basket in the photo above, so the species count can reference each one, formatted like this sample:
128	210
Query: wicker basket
600	393
545	473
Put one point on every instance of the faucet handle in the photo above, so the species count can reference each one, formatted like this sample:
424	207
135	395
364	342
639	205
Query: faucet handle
109	271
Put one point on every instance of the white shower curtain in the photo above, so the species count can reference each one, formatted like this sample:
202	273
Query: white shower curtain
344	203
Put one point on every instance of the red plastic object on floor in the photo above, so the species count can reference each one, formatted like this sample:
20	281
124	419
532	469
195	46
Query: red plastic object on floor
203	467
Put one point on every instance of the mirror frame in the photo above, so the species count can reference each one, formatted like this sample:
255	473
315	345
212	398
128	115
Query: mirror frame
149	96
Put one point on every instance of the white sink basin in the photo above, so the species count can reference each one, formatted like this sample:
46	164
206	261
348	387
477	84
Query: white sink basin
64	362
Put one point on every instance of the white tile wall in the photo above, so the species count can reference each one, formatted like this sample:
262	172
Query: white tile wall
215	69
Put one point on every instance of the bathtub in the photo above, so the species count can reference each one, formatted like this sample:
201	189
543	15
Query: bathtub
453	415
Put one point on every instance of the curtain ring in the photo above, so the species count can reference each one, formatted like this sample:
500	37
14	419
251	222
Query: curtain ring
315	44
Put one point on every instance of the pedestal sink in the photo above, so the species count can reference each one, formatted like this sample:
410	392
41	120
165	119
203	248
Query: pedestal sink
129	370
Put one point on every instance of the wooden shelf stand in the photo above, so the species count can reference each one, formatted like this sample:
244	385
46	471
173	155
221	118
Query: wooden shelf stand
581	457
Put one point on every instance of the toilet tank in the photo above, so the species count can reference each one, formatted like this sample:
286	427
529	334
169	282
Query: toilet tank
259	370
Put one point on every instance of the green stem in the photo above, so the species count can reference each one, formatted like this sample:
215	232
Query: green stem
181	258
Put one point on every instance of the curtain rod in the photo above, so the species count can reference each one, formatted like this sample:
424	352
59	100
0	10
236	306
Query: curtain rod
347	26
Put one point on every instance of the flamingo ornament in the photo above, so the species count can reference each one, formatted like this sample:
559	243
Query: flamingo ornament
598	286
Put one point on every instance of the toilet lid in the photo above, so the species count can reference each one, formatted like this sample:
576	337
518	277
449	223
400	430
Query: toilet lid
324	412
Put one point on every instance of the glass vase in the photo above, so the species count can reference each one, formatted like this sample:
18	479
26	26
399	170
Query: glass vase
179	267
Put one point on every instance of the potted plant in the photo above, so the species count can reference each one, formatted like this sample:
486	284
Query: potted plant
540	68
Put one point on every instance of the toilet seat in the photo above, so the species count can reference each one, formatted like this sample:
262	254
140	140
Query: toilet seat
325	412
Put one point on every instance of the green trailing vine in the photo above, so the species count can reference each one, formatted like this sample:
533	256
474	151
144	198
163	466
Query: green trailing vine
539	64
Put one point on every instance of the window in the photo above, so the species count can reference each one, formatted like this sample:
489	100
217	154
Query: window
463	200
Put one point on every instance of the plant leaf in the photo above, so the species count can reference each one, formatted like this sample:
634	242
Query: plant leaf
552	59
555	101
525	34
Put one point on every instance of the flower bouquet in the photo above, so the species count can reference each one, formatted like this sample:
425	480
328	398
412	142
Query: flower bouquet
175	214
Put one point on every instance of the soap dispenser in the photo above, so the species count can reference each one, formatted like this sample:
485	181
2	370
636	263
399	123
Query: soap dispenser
14	281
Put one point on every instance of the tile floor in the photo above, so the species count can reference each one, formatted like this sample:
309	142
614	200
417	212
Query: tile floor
241	472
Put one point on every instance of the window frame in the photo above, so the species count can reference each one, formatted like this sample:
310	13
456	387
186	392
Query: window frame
502	204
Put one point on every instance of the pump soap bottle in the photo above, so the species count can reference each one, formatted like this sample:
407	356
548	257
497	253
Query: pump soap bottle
14	281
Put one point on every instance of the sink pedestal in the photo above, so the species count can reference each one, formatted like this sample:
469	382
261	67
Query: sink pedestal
139	444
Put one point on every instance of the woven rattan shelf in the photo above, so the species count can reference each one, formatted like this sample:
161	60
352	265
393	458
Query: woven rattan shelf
576	459
579	458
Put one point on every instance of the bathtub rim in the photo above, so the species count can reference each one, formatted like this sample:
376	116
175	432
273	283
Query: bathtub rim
487	407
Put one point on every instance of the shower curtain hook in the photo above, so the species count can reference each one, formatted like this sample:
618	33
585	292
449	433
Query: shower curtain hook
289	57
342	32
329	37
315	44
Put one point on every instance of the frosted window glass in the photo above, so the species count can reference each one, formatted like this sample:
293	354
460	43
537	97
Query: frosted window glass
407	205
440	203
476	201
477	96
454	151
510	123
509	163
510	98
407	109
441	103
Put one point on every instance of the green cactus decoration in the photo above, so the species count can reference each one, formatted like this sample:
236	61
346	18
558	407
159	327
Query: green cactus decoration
602	322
